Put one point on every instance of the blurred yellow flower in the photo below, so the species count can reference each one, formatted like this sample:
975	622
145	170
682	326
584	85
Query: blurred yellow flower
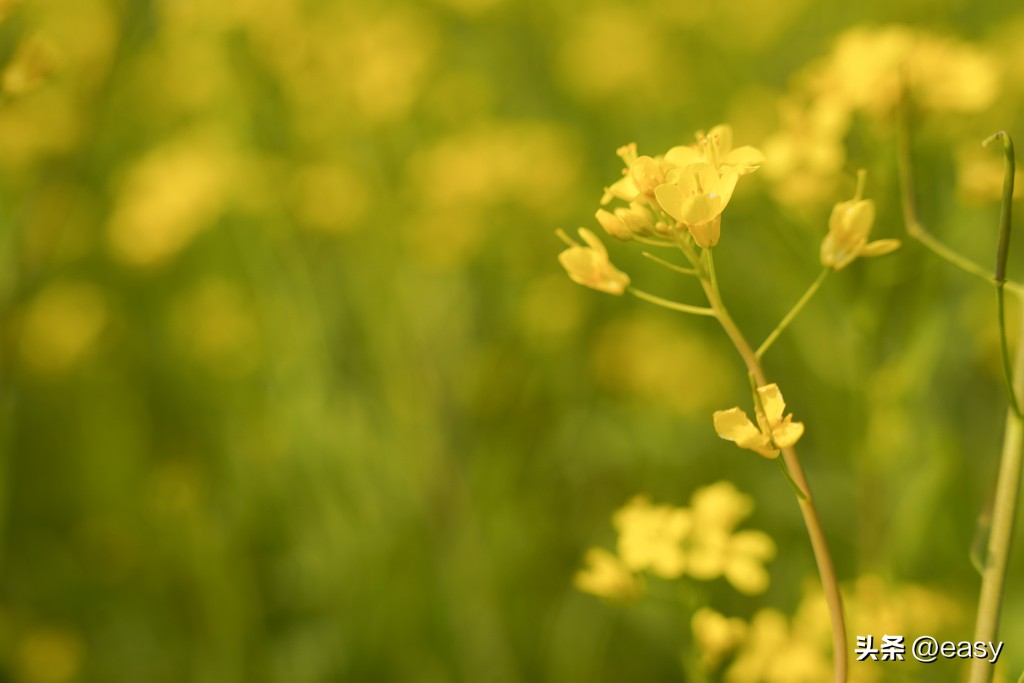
713	549
776	653
49	655
772	432
847	237
716	635
606	576
32	65
589	265
61	325
943	74
651	537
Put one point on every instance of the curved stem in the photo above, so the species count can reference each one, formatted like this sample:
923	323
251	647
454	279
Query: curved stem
671	266
913	225
822	555
793	312
669	304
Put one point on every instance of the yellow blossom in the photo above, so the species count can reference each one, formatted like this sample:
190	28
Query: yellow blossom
774	652
696	196
626	222
589	265
720	505
716	149
714	550
716	635
624	188
772	432
651	537
606	576
847	237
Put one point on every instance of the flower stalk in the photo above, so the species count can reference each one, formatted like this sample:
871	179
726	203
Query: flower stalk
681	196
1007	496
995	561
795	474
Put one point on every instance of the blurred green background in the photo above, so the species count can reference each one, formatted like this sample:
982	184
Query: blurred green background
294	389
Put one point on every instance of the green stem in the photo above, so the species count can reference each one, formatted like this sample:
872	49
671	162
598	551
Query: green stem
914	227
793	312
1002	252
1004	510
670	266
1007	366
651	242
1004	514
669	304
819	544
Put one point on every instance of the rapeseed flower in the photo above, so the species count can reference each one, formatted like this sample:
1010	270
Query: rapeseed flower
772	431
589	265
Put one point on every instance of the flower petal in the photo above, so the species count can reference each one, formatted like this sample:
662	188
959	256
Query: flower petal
734	425
754	544
613	225
606	576
593	242
743	160
683	156
746	576
623	188
788	433
879	247
670	198
698	209
771	401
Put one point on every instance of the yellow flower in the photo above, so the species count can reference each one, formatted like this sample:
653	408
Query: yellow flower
716	149
847	237
696	196
714	550
624	223
716	635
624	188
776	652
606	576
651	537
772	432
589	265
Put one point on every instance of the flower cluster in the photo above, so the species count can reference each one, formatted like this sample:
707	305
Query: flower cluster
678	195
773	648
692	184
865	74
670	542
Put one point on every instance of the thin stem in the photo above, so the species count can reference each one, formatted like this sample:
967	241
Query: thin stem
910	218
789	477
1002	251
793	312
1004	345
670	266
826	570
651	242
1004	510
669	304
1004	514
